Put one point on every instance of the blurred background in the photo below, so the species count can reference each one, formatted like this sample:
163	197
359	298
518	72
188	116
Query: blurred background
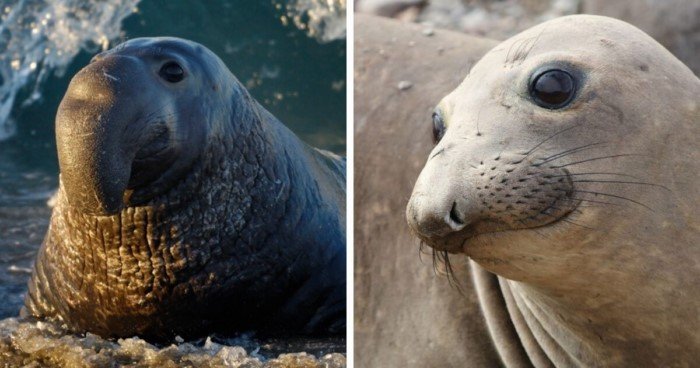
674	23
290	54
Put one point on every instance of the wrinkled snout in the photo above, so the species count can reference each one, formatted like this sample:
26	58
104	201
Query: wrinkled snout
94	140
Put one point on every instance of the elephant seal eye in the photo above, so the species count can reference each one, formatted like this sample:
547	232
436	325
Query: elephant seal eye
553	89
438	127
172	72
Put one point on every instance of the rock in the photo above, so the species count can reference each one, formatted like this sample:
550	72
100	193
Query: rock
387	8
404	85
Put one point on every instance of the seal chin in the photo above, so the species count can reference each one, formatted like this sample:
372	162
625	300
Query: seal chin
151	164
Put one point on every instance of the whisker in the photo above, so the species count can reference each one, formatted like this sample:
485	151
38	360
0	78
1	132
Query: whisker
575	210
449	271
587	206
443	257
436	153
157	111
616	196
435	261
596	158
534	43
562	209
548	138
568	152
591	173
591	201
566	220
620	182
509	51
533	229
577	224
421	251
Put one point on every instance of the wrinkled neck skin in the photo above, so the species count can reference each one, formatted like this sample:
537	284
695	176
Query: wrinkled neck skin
620	286
251	237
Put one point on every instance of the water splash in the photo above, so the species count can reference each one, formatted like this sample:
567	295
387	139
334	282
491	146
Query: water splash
321	19
38	37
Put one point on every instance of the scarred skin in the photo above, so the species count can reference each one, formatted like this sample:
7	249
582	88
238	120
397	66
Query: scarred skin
186	208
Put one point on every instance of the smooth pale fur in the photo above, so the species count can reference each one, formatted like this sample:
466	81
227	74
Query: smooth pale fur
620	287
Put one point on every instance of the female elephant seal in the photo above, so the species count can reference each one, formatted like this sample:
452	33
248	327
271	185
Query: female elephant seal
185	208
566	163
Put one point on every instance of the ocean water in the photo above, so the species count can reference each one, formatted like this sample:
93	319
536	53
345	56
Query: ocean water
289	53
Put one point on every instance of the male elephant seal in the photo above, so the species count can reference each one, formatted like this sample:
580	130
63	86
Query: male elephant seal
566	163
185	208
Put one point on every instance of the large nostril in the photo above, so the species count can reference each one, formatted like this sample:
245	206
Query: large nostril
431	219
454	215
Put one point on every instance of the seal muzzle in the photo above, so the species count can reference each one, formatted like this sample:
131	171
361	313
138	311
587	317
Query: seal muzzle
95	138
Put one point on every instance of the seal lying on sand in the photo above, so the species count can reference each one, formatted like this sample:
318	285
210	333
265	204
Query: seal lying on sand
566	163
185	208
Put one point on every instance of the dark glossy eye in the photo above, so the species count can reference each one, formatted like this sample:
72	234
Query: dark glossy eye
438	127
172	72
553	89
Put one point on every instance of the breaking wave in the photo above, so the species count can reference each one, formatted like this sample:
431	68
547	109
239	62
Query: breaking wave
40	37
321	19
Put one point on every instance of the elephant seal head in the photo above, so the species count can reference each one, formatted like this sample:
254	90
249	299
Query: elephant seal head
134	120
566	164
